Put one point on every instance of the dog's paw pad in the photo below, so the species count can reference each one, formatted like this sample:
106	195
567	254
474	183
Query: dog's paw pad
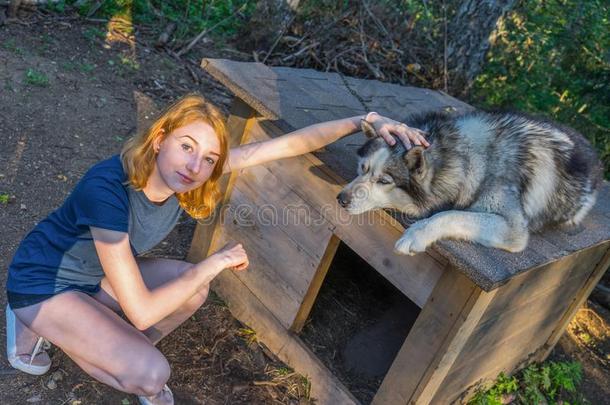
404	246
410	244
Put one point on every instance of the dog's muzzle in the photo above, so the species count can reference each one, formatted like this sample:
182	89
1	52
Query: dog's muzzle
344	198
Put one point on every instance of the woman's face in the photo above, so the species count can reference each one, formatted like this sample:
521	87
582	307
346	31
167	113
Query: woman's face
187	156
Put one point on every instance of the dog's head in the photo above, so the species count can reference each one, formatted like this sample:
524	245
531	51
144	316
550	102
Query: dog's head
388	177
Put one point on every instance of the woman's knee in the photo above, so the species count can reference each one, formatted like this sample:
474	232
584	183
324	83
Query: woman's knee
146	377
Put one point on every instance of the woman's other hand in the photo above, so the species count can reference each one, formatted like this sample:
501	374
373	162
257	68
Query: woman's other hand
387	127
232	256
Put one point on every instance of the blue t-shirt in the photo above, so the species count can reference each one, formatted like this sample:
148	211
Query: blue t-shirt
59	254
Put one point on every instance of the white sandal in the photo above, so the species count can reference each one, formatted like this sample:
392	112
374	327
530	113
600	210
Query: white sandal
146	401
11	348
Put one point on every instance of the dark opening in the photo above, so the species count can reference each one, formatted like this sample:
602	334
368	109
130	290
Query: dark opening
358	323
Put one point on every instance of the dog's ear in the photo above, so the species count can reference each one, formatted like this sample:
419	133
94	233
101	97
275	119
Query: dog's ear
368	129
416	160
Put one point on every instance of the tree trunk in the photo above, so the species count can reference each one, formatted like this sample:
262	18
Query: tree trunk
270	19
468	39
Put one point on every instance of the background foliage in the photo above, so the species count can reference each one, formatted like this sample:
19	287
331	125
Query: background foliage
553	58
547	57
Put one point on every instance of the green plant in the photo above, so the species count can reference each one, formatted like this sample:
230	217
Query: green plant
191	16
537	384
551	58
35	78
10	45
249	335
493	396
129	62
93	34
4	198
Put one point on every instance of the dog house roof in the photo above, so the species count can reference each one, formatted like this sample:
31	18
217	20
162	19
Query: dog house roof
294	98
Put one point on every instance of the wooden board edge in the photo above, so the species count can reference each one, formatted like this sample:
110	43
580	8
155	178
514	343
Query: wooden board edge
597	273
315	284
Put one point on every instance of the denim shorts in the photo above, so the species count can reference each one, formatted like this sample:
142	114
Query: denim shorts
19	300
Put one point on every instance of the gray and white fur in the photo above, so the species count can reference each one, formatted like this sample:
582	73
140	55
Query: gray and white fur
487	177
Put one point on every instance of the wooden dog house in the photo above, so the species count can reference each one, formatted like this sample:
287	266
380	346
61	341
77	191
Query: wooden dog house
483	310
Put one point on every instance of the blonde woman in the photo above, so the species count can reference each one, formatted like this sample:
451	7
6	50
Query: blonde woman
79	267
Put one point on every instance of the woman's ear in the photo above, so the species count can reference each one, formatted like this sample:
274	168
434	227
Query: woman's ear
157	140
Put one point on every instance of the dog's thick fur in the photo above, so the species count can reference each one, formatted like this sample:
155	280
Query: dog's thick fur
486	177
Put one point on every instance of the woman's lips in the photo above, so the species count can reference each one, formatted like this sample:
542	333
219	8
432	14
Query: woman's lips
185	179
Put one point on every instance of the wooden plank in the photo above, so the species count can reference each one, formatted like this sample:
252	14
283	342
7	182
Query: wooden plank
438	323
325	387
451	348
509	357
508	338
278	204
280	281
539	316
315	285
524	289
597	273
237	123
371	235
290	260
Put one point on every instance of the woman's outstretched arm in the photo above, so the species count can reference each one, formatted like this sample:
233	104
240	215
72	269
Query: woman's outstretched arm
317	136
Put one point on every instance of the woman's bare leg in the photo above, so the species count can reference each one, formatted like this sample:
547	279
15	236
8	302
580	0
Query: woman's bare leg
155	273
26	340
117	354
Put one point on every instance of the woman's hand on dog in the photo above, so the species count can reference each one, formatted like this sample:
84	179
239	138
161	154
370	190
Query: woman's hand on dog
232	256
387	127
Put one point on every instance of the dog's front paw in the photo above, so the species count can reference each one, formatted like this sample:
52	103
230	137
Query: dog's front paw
414	240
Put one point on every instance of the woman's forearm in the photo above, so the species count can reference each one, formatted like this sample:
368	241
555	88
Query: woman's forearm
163	300
317	136
295	143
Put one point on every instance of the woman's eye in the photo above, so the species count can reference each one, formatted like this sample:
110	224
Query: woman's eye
186	147
210	161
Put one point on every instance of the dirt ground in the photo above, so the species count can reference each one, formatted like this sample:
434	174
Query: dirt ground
71	92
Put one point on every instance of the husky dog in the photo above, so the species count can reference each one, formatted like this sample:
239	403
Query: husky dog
486	177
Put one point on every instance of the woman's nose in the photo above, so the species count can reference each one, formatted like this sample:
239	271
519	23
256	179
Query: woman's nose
194	165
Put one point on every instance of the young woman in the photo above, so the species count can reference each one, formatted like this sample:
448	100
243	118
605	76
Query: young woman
80	266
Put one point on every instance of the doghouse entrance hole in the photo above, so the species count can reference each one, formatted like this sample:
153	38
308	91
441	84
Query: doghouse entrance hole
358	323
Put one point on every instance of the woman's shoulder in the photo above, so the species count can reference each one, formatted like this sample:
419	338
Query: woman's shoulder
111	169
104	179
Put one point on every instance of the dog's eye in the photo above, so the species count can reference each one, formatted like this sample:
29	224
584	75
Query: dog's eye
385	180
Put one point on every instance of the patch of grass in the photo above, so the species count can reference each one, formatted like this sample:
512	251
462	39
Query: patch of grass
11	45
281	372
92	34
548	383
249	335
84	67
8	86
36	78
191	16
4	197
129	62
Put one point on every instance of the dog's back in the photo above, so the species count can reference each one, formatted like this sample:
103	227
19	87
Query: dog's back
554	168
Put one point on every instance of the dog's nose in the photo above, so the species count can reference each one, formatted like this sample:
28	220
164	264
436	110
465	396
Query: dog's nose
343	199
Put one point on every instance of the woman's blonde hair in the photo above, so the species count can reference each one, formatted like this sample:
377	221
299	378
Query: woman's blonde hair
138	155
